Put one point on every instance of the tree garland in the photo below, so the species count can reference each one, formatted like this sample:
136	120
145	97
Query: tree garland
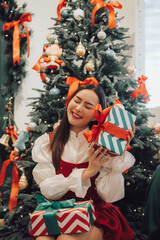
10	14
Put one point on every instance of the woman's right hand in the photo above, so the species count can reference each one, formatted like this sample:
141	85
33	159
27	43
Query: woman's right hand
96	159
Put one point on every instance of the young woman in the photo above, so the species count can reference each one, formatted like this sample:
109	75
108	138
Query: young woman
67	168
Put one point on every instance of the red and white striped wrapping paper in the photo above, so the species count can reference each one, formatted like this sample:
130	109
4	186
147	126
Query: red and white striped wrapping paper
71	220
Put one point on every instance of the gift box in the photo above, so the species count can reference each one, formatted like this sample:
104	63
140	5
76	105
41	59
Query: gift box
59	217
111	132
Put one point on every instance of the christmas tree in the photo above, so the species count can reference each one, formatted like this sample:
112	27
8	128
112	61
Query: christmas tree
86	41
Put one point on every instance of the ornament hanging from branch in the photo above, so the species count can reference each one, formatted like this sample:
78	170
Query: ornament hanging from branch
80	50
78	14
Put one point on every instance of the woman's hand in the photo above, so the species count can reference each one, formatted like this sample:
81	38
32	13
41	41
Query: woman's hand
96	159
131	135
56	125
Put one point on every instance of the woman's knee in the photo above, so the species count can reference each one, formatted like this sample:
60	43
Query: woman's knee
64	237
45	238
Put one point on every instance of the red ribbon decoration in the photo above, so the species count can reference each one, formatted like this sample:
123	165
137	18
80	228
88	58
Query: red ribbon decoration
60	6
141	90
75	83
16	42
100	4
12	132
5	5
100	115
15	178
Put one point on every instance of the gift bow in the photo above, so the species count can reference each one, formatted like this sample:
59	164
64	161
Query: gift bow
10	131
51	208
16	42
100	4
15	178
75	83
108	127
141	90
60	6
5	5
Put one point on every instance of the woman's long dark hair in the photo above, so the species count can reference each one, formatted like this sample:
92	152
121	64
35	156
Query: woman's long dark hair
61	134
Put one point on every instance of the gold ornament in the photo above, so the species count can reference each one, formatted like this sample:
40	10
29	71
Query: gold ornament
89	66
80	50
23	183
2	222
5	139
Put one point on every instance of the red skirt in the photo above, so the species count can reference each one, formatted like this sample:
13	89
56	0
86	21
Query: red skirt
108	216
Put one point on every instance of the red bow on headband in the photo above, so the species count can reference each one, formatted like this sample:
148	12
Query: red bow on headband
75	83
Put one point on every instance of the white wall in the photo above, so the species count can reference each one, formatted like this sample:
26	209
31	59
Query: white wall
41	21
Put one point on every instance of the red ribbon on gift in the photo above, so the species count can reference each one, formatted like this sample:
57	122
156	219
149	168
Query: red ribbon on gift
16	42
12	132
108	127
5	5
60	6
15	178
100	4
75	83
141	90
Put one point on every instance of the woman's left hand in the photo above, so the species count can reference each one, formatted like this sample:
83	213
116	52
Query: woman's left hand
131	135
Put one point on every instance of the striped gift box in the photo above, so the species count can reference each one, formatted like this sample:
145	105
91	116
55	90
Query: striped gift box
70	220
121	118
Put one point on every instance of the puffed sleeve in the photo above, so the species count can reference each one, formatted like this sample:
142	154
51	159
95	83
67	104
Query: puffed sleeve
54	186
110	182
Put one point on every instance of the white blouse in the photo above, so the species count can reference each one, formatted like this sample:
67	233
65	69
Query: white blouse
109	183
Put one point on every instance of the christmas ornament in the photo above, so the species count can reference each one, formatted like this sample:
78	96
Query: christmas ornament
31	126
22	139
65	13
23	183
55	92
4	141
101	35
50	37
80	50
78	14
117	24
89	66
156	127
45	47
110	54
131	70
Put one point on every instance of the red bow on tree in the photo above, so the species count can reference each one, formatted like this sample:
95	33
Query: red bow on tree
16	42
100	4
141	90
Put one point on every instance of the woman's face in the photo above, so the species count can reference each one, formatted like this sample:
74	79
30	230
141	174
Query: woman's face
80	109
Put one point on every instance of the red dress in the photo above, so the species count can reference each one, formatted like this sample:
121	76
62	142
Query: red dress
108	216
